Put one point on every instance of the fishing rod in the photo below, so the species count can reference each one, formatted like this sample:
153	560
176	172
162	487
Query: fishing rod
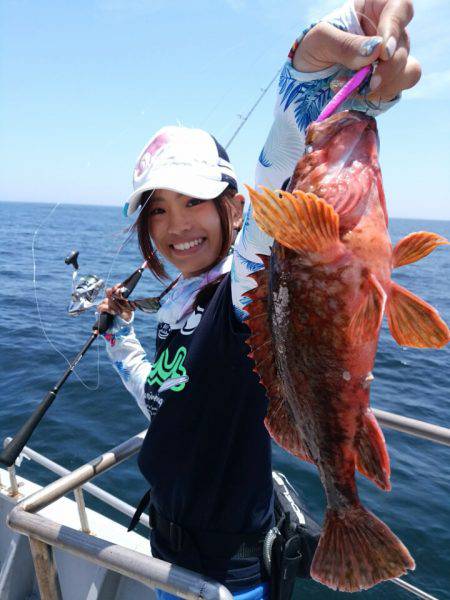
246	117
84	292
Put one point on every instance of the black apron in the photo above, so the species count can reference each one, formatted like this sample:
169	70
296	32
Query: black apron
207	453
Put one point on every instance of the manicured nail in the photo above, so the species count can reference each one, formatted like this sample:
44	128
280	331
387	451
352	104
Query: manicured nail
391	46
375	82
369	46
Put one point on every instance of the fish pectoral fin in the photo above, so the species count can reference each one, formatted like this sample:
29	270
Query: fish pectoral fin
302	222
367	318
372	459
415	246
413	322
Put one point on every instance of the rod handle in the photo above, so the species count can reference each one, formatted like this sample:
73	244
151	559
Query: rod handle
103	323
9	455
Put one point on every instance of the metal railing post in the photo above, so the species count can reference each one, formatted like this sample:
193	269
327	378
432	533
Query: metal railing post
78	493
45	568
14	487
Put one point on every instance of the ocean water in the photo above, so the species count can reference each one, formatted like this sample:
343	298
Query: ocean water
92	413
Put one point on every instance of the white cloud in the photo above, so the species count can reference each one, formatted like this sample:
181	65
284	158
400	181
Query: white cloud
432	86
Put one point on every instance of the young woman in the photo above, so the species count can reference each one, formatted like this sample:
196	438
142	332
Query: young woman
207	454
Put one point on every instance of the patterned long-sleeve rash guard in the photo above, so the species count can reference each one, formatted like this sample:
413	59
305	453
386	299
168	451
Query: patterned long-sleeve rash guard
300	99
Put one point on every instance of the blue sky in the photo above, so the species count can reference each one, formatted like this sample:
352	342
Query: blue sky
85	84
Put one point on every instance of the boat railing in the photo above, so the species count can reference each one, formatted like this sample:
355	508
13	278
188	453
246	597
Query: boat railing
46	534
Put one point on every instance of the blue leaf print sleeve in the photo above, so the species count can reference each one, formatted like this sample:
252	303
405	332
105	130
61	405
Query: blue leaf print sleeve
129	359
300	99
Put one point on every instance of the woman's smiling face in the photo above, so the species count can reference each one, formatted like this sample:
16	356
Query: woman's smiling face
186	231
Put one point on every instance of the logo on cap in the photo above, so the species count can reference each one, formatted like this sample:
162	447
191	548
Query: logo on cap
148	154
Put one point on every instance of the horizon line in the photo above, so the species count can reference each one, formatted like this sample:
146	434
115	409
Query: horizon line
120	206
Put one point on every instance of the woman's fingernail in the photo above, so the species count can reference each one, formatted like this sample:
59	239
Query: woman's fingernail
391	46
369	46
375	82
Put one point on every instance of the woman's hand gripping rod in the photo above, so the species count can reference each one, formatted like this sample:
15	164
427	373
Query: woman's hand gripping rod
9	455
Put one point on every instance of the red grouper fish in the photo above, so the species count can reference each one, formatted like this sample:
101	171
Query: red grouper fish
315	318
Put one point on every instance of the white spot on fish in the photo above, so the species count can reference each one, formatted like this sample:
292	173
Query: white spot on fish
368	380
346	375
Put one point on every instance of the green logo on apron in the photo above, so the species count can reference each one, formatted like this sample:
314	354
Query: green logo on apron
163	369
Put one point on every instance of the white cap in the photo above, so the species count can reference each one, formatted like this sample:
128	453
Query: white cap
184	160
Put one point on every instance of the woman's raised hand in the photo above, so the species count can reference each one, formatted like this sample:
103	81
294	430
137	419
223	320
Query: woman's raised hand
115	304
384	23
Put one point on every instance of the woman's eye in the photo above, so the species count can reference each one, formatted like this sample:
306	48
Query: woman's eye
156	211
195	201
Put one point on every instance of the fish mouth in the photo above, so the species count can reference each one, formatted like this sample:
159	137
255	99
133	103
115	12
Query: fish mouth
340	164
341	126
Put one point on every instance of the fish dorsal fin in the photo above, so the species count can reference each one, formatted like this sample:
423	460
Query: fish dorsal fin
299	221
279	420
368	316
415	246
372	458
413	322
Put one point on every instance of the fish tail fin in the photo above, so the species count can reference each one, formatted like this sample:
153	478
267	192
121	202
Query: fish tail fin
416	246
299	221
356	551
413	322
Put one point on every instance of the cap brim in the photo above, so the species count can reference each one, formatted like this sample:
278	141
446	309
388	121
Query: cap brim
185	183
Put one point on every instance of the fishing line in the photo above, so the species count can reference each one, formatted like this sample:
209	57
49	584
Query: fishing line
39	310
128	236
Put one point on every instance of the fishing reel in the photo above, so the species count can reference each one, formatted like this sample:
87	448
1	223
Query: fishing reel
85	289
